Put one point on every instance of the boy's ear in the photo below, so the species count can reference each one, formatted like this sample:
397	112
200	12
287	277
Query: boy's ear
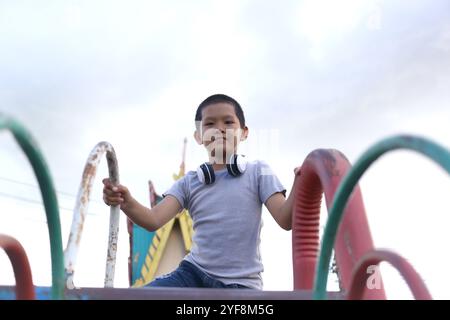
197	137
244	134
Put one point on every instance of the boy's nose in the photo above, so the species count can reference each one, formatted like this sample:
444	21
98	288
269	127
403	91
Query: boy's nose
221	129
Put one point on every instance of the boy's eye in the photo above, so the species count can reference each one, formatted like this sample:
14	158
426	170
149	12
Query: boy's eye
229	122
209	124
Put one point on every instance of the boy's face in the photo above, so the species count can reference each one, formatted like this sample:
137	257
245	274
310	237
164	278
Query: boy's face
220	131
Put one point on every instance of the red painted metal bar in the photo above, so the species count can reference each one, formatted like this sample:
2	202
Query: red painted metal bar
321	173
361	274
346	190
81	209
21	267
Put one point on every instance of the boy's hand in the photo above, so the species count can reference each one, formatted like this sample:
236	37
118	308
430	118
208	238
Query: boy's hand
116	195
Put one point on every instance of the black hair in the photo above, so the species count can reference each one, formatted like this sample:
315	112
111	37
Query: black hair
218	98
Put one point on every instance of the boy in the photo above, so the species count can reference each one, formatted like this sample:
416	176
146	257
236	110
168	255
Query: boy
224	200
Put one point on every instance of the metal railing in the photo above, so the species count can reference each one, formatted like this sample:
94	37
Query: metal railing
40	168
21	267
81	209
426	147
321	173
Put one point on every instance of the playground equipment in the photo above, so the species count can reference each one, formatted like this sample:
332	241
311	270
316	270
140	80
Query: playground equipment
428	148
81	209
31	149
21	267
323	172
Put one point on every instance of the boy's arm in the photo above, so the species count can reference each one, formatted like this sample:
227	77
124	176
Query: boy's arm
150	219
281	208
154	218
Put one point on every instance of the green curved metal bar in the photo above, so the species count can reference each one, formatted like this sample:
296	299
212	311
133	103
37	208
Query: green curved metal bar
426	147
31	149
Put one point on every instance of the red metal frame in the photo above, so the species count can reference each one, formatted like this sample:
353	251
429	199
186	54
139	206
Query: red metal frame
321	173
360	275
21	267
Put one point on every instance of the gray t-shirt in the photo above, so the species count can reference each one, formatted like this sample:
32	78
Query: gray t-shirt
227	221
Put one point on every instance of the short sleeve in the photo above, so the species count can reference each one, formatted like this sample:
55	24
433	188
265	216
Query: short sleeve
268	182
179	191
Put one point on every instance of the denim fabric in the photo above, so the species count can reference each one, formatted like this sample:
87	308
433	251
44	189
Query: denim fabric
188	275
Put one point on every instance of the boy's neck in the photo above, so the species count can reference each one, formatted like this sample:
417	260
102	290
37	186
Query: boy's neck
219	163
218	167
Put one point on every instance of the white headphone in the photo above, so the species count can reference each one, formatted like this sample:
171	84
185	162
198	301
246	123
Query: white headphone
236	166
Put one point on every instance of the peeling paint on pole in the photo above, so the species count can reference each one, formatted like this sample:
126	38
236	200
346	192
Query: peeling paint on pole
81	210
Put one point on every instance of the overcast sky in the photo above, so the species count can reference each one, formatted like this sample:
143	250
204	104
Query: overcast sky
309	74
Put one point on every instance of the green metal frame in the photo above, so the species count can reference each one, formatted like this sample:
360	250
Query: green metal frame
426	147
34	155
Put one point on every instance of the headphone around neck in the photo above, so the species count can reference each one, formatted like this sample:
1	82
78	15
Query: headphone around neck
235	167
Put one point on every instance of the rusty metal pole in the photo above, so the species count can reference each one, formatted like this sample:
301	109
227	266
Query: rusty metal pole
21	267
81	209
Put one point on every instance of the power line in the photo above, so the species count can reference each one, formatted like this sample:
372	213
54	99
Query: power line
37	187
33	186
33	201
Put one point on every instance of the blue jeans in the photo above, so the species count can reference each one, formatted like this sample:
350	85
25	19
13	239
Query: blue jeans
188	275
